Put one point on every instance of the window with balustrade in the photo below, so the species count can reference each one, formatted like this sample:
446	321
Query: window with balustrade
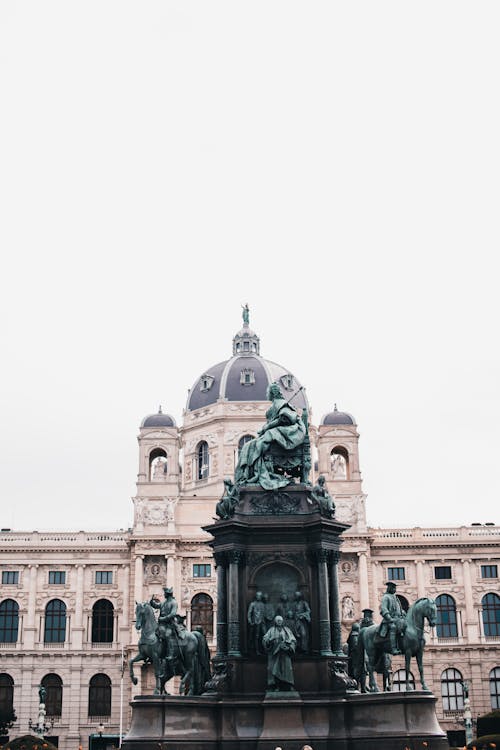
9	621
446	625
55	622
495	687
54	694
491	615
99	695
102	621
452	690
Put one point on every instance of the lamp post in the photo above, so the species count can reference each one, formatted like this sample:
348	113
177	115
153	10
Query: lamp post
467	714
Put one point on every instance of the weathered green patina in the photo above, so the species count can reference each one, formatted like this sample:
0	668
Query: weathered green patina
277	453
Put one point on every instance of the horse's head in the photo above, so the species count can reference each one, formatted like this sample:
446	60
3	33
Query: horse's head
430	611
139	615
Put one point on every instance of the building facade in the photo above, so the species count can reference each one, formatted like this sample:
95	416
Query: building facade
67	599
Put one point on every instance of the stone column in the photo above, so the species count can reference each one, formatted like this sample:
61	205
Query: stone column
30	627
78	627
325	647
138	581
420	578
375	582
471	629
170	563
221	566
124	627
335	605
364	594
234	646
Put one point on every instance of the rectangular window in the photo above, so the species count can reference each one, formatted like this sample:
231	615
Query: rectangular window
103	576
57	577
489	571
10	576
202	570
442	572
395	574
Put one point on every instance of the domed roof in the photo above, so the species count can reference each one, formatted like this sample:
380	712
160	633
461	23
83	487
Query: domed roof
158	420
338	417
244	377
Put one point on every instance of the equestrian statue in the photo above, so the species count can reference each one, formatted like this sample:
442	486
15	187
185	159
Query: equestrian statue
170	647
398	633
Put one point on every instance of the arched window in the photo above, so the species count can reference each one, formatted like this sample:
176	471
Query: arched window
405	604
202	460
9	621
100	695
495	687
55	622
446	626
452	690
339	463
102	621
202	613
53	700
6	694
242	441
158	465
399	681
491	614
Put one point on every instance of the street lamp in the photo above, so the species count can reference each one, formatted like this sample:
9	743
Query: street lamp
100	729
467	714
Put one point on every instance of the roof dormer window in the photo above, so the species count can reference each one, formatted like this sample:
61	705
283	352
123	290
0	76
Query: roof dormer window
206	382
247	377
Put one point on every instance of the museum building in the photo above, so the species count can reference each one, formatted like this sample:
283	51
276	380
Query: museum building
67	598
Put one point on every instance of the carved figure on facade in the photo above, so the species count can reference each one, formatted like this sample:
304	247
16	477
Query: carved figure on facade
338	466
320	494
279	643
285	610
301	612
159	468
348	612
281	449
227	504
256	618
269	612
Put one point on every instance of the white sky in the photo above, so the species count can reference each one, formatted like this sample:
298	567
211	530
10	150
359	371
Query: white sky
334	164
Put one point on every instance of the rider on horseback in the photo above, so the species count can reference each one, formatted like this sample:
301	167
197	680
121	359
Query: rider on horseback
393	617
167	623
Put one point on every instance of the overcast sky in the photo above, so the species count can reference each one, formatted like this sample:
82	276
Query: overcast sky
334	164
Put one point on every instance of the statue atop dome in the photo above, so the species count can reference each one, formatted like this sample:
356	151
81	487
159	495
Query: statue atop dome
245	314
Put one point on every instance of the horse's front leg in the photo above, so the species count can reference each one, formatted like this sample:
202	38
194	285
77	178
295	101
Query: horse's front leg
407	669
372	682
131	663
419	656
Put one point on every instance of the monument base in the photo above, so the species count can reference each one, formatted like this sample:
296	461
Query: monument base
374	721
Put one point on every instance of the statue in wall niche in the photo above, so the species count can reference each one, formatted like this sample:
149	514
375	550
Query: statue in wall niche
256	617
285	610
279	643
348	612
281	450
227	504
325	502
268	610
338	466
160	468
301	622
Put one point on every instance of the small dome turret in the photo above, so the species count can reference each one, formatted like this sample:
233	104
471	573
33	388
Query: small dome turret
158	420
338	417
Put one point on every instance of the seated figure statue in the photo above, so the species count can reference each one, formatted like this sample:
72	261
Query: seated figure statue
279	446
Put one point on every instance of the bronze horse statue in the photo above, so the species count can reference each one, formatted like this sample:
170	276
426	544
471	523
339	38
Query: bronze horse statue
188	653
411	641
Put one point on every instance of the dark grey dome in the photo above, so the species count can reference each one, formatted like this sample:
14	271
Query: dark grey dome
244	377
158	420
338	417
